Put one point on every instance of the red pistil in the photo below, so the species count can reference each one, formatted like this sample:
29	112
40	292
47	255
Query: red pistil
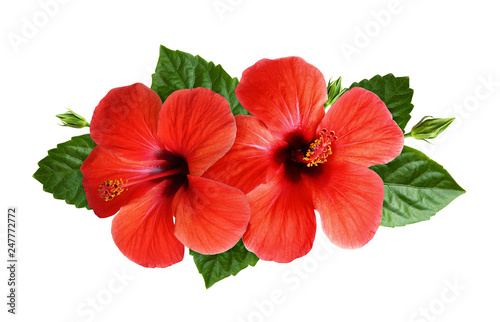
110	189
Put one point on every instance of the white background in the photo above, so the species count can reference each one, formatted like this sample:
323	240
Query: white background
82	49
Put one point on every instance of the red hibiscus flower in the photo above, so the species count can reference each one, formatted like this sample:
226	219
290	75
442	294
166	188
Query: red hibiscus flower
290	158
148	165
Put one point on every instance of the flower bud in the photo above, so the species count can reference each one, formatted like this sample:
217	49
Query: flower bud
334	91
429	128
72	119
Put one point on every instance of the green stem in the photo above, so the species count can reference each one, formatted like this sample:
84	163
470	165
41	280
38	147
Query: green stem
408	135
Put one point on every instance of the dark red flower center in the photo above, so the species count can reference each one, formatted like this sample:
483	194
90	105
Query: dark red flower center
310	154
300	156
318	151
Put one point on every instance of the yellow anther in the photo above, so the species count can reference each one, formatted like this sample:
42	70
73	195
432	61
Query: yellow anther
320	149
111	188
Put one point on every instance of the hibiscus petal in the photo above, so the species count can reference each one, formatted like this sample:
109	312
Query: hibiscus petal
250	159
143	230
366	133
197	124
125	122
287	94
210	217
349	200
283	224
103	166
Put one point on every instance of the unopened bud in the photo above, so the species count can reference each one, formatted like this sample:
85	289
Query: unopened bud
334	91
72	119
429	128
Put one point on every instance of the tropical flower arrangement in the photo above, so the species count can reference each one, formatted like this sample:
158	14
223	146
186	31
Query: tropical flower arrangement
235	171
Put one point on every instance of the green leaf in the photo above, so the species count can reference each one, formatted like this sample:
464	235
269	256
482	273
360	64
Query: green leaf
214	268
395	92
415	187
60	174
179	70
